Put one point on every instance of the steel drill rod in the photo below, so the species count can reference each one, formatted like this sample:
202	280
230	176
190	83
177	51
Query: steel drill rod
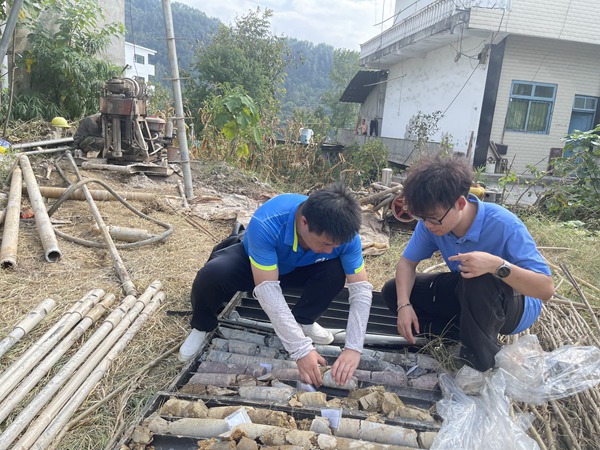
68	400
36	315
22	366
119	266
10	235
44	367
111	329
42	220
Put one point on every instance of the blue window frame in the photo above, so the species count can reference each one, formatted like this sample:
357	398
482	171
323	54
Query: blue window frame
530	107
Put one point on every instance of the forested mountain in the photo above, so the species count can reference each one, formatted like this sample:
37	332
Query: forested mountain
308	70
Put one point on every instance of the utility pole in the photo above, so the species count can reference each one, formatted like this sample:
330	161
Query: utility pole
181	134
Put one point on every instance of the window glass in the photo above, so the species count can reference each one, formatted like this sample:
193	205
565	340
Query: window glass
530	107
521	89
140	59
544	91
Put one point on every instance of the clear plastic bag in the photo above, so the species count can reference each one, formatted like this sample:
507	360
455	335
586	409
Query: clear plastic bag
535	376
480	422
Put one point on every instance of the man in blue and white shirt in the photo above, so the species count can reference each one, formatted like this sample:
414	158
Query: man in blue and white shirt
293	241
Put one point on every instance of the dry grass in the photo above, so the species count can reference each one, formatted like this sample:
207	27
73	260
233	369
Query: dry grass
175	263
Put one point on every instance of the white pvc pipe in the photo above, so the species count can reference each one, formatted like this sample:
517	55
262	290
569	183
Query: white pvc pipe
99	339
36	315
42	369
84	383
22	366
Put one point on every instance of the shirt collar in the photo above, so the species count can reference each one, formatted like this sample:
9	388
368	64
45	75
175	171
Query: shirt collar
474	232
291	235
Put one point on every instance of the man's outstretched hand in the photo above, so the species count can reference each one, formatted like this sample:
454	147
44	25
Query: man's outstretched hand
309	368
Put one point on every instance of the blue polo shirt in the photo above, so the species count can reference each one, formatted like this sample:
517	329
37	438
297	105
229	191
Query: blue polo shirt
271	240
495	230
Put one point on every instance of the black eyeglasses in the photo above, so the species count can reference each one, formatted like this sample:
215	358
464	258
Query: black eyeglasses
431	220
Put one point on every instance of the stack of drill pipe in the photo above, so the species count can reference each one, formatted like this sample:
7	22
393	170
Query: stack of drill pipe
22	366
94	348
119	266
245	348
232	358
36	315
42	369
42	220
58	413
10	235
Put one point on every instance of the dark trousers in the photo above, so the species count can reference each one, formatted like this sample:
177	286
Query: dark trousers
472	310
228	271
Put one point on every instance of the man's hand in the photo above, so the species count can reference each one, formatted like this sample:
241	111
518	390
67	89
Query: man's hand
309	368
344	367
407	319
475	264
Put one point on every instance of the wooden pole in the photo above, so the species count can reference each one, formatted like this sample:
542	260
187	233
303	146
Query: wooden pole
10	235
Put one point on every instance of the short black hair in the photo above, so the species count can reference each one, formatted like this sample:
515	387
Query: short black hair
436	181
333	211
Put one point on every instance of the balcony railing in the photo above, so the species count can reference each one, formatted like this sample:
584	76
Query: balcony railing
427	17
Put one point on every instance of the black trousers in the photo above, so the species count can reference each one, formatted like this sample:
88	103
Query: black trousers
470	310
228	271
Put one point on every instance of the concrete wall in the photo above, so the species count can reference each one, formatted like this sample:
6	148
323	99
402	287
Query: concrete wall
136	69
575	20
115	12
573	67
436	82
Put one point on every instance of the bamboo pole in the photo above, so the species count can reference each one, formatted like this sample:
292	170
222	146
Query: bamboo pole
57	192
46	365
42	220
10	235
83	382
22	366
125	313
570	277
119	266
36	315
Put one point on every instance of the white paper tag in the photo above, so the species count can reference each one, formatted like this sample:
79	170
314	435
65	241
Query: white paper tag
237	418
333	415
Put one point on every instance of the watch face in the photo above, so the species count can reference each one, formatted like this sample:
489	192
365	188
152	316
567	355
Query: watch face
503	272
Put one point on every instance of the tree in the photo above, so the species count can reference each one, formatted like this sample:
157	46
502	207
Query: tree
245	55
345	66
65	74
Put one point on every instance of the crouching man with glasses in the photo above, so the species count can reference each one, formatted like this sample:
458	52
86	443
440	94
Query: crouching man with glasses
497	277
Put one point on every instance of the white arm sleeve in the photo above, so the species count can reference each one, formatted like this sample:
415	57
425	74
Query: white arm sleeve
361	295
272	301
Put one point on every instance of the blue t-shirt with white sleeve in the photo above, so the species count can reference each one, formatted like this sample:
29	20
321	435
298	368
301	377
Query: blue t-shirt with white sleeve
495	230
271	240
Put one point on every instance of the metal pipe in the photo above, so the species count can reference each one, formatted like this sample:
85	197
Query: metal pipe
66	140
10	27
78	388
42	220
119	266
57	192
44	367
181	133
10	235
44	151
36	315
112	326
22	366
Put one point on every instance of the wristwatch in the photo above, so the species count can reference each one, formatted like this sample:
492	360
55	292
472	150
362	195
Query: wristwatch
504	270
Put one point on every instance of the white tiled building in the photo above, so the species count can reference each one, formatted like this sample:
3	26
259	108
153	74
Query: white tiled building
138	63
522	73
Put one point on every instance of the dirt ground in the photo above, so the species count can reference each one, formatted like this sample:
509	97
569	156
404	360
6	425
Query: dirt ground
80	269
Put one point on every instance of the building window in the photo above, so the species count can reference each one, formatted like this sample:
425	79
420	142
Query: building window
139	59
530	107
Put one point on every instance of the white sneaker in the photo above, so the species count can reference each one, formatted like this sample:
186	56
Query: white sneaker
191	345
317	333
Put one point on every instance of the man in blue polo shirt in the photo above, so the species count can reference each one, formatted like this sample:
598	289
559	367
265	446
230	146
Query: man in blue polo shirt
293	241
497	277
